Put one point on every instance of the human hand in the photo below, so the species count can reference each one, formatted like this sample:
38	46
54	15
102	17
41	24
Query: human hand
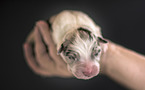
42	62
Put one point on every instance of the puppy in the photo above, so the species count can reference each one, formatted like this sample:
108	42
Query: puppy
79	42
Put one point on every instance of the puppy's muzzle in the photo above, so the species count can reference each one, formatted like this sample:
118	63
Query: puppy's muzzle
86	71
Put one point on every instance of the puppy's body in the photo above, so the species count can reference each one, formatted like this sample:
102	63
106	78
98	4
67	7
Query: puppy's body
77	39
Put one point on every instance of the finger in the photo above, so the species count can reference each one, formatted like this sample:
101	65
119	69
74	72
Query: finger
48	40
44	29
39	46
32	62
42	56
30	38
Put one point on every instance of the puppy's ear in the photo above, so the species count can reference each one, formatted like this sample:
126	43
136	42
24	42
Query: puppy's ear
100	39
84	33
63	47
60	49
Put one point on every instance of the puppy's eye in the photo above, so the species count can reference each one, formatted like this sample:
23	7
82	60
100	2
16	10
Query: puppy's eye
96	52
72	57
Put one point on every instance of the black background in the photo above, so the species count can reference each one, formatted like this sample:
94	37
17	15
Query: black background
123	22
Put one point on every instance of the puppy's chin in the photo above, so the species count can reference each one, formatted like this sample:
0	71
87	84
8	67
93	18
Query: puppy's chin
85	77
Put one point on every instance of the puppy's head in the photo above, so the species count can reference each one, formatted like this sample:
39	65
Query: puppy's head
81	50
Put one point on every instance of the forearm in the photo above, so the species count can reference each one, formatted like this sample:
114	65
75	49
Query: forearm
125	66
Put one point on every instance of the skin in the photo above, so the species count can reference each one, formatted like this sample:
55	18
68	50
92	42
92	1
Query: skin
124	66
44	63
119	63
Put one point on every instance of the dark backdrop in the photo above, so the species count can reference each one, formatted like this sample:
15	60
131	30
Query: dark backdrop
121	21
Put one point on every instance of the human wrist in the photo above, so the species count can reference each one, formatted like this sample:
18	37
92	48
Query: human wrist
106	57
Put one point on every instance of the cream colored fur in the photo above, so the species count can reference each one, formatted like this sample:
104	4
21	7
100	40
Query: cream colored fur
69	20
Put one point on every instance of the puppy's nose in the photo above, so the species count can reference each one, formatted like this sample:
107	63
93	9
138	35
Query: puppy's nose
87	73
91	71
